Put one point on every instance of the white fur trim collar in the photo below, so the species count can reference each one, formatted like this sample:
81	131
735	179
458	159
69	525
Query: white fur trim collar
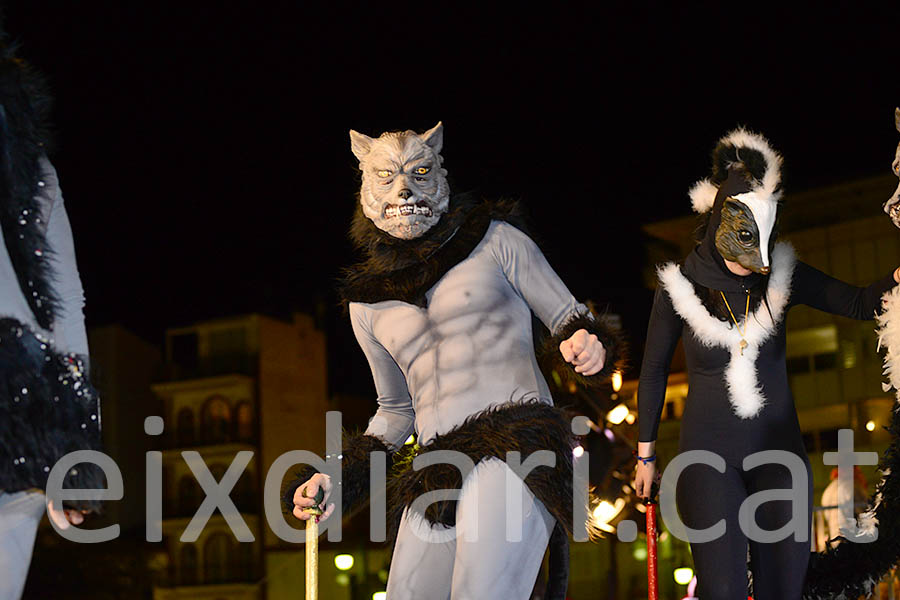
744	391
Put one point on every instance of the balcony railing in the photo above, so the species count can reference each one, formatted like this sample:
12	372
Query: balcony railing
175	439
185	508
233	572
212	366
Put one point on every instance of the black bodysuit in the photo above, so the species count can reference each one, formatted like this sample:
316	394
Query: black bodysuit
704	495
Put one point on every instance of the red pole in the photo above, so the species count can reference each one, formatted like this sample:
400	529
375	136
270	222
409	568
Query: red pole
652	575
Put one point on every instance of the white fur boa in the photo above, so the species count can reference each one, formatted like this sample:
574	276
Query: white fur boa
744	391
889	339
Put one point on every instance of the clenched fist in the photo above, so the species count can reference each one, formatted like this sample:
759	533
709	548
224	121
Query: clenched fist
584	351
63	517
305	495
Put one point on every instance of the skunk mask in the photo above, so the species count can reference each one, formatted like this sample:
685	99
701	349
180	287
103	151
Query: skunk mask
742	196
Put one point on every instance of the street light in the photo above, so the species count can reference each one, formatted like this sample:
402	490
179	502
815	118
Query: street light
683	575
640	553
605	512
617	415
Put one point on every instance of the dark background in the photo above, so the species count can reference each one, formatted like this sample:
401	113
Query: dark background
205	162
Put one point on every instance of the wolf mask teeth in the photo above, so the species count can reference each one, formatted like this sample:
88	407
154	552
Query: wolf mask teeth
404	187
404	210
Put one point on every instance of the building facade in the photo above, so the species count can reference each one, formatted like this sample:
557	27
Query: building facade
246	384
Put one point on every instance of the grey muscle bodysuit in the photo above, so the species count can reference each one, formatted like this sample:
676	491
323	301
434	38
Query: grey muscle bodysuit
433	367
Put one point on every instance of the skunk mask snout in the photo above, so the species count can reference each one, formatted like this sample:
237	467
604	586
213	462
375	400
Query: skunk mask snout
742	195
740	239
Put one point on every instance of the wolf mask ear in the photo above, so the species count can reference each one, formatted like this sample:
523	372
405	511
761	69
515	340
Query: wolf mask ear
434	137
360	144
897	118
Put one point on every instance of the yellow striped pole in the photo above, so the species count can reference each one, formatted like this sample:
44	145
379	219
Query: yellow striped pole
312	547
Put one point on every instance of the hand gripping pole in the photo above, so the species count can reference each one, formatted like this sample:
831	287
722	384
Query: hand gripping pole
652	573
312	546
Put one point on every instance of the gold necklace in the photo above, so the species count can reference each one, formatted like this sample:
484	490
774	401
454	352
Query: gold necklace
743	343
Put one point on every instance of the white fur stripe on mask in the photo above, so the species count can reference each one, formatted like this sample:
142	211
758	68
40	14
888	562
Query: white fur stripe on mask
744	392
741	138
703	193
764	210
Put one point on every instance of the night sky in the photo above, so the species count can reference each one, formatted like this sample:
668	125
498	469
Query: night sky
205	162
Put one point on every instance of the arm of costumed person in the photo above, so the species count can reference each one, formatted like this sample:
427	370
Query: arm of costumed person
537	283
852	569
41	430
823	292
71	335
663	332
393	423
68	326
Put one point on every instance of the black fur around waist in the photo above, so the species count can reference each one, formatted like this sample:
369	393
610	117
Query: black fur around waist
521	427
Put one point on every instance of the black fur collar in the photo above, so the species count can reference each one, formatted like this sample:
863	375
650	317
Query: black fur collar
404	270
24	111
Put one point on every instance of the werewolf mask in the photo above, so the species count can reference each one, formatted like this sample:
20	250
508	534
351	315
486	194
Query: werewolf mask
404	187
742	196
892	206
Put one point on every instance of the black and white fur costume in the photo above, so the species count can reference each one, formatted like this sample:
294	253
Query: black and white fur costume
48	407
445	321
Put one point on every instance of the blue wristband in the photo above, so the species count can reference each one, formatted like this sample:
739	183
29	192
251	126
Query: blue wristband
645	459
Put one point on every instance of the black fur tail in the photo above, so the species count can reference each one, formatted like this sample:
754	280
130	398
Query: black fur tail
558	575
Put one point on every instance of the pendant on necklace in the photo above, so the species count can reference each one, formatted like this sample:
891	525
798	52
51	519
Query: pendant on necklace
743	345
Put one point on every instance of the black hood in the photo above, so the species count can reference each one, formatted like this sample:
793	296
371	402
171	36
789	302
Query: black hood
704	265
